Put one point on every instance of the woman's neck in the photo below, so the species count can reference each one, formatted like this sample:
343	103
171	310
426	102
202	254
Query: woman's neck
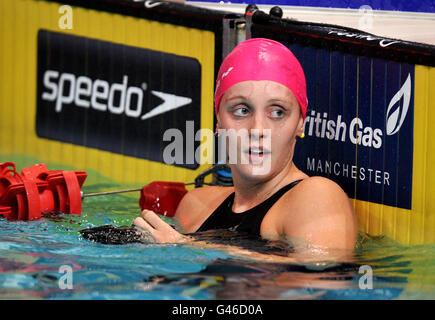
249	193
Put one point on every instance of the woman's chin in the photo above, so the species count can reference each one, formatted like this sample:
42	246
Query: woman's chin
254	170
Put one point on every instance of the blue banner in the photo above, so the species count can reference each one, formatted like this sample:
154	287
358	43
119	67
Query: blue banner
390	5
359	125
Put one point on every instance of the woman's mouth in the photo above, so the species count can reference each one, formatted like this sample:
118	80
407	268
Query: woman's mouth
255	154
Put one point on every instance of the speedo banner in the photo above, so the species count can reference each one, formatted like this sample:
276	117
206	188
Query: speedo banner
95	85
110	96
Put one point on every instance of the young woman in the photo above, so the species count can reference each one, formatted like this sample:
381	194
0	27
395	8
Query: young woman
261	90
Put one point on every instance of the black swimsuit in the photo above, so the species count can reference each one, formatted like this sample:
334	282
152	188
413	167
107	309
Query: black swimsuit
248	221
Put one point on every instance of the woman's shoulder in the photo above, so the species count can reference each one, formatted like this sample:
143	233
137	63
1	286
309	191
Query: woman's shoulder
319	182
316	210
197	205
315	189
309	197
207	194
313	197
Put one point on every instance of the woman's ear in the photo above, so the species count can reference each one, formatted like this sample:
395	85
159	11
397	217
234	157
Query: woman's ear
300	127
217	121
217	126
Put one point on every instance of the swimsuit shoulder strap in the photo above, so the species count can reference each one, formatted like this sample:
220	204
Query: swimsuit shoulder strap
249	221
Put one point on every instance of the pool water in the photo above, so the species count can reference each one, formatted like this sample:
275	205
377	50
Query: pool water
48	259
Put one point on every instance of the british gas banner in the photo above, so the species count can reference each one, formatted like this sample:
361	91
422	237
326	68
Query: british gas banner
359	125
397	5
369	122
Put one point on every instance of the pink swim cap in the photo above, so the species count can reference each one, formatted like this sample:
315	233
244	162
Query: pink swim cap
262	59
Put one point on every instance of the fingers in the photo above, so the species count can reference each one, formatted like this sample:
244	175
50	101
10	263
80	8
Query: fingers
151	225
154	220
141	223
145	230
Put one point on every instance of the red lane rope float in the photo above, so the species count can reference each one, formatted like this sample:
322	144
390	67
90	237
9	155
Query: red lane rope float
38	190
162	197
32	196
74	201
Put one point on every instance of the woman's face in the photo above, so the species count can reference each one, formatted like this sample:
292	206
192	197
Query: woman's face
266	117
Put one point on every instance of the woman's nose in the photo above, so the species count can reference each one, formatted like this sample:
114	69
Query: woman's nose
257	128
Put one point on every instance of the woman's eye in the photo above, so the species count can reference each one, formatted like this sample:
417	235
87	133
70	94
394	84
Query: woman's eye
277	113
241	111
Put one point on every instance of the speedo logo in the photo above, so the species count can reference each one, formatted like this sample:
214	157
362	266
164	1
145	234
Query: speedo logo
100	95
317	123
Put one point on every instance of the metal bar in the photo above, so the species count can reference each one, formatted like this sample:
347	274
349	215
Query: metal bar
96	194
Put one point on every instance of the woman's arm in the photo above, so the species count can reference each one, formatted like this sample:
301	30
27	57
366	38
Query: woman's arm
154	229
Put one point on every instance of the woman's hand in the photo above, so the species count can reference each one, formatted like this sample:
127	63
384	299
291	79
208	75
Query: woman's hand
154	229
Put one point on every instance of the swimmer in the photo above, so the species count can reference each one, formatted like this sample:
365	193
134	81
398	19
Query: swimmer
261	89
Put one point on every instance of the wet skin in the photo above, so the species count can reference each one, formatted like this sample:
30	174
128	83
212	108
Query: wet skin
316	216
